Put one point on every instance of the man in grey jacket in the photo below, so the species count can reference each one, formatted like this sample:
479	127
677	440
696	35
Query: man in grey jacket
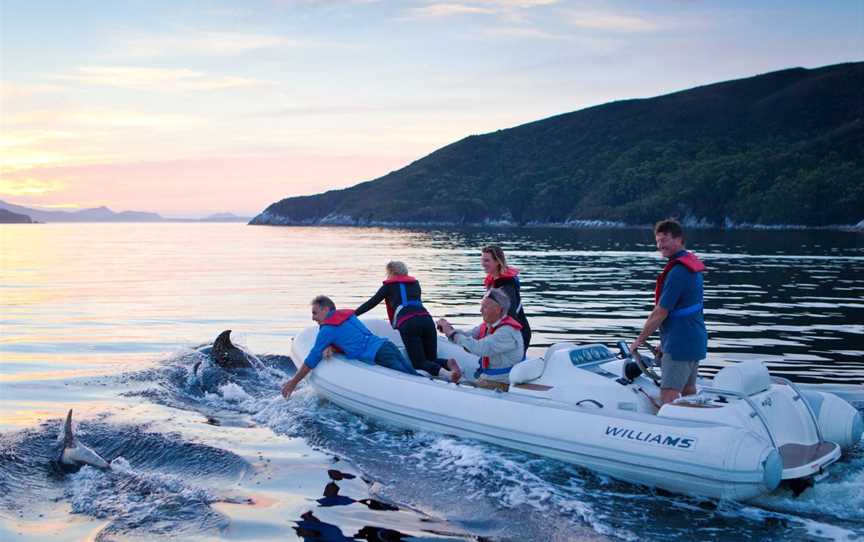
498	340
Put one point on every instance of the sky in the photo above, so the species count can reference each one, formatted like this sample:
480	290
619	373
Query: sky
188	108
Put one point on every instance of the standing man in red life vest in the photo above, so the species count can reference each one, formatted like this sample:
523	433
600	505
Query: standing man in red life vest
342	331
678	298
498	340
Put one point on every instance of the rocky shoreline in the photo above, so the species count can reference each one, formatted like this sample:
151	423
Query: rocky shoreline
267	218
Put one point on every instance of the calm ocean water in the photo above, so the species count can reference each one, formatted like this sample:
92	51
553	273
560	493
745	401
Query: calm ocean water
102	318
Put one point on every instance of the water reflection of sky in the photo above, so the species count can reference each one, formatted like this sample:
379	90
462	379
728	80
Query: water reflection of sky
106	299
80	298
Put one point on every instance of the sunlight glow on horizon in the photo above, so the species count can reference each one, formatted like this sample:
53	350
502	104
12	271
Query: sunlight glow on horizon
253	103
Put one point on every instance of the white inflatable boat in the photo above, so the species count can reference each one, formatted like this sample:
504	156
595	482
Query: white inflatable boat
738	438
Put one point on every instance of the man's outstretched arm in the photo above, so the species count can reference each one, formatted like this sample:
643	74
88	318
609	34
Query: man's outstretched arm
289	386
651	325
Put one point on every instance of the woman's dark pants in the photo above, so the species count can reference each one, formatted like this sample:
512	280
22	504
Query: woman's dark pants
421	343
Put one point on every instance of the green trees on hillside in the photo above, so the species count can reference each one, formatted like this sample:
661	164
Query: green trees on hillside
780	148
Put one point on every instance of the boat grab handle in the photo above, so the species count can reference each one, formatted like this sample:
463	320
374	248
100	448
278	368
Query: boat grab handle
598	403
753	407
798	395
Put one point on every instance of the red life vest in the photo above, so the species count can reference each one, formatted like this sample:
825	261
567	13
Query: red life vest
509	273
392	311
489	330
689	260
338	317
398	279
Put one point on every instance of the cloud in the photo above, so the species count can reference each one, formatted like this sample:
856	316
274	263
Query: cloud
71	119
247	182
52	137
527	32
501	8
524	4
159	79
61	206
11	140
20	160
448	10
16	90
365	108
29	187
203	43
600	20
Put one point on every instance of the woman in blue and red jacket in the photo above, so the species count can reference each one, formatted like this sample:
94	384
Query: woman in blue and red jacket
500	275
402	296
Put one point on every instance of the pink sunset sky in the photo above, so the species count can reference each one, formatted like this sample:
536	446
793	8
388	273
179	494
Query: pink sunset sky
193	108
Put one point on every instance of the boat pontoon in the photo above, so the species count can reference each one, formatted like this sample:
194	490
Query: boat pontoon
741	436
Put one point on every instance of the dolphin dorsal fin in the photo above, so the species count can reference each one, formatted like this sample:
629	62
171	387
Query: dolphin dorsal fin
68	436
223	342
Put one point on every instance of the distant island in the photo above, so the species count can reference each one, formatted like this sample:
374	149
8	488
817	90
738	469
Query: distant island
778	149
104	214
8	217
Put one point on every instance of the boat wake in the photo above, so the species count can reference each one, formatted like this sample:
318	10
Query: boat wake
157	484
482	486
228	401
477	486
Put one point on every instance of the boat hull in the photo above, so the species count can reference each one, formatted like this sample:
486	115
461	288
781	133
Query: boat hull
704	459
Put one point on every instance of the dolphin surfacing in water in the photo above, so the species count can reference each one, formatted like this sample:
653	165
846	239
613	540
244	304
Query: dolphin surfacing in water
74	454
223	362
228	356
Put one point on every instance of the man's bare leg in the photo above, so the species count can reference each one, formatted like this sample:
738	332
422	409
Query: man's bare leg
455	370
667	395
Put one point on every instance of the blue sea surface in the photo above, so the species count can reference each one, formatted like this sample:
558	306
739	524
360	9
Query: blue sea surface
106	319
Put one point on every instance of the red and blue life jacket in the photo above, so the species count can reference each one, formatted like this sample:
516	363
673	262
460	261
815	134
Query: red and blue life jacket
485	330
395	313
691	262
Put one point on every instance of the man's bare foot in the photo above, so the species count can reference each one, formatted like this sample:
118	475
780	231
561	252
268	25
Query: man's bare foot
455	370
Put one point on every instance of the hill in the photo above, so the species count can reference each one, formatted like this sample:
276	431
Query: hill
780	148
96	214
8	217
104	214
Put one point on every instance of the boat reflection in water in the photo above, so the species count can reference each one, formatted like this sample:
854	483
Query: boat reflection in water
312	529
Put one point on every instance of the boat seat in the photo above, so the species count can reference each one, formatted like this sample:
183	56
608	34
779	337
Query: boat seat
746	378
556	347
527	370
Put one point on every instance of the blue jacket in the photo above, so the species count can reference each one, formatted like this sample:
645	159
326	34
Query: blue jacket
683	338
351	336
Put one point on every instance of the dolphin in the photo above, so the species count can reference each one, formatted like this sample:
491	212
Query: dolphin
226	355
74	454
223	359
223	362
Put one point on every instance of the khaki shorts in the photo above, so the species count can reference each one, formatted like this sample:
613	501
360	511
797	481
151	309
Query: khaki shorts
677	375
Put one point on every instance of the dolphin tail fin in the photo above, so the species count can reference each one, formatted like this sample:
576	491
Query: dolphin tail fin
223	342
68	436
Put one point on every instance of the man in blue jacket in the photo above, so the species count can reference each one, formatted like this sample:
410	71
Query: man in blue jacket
678	297
342	331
